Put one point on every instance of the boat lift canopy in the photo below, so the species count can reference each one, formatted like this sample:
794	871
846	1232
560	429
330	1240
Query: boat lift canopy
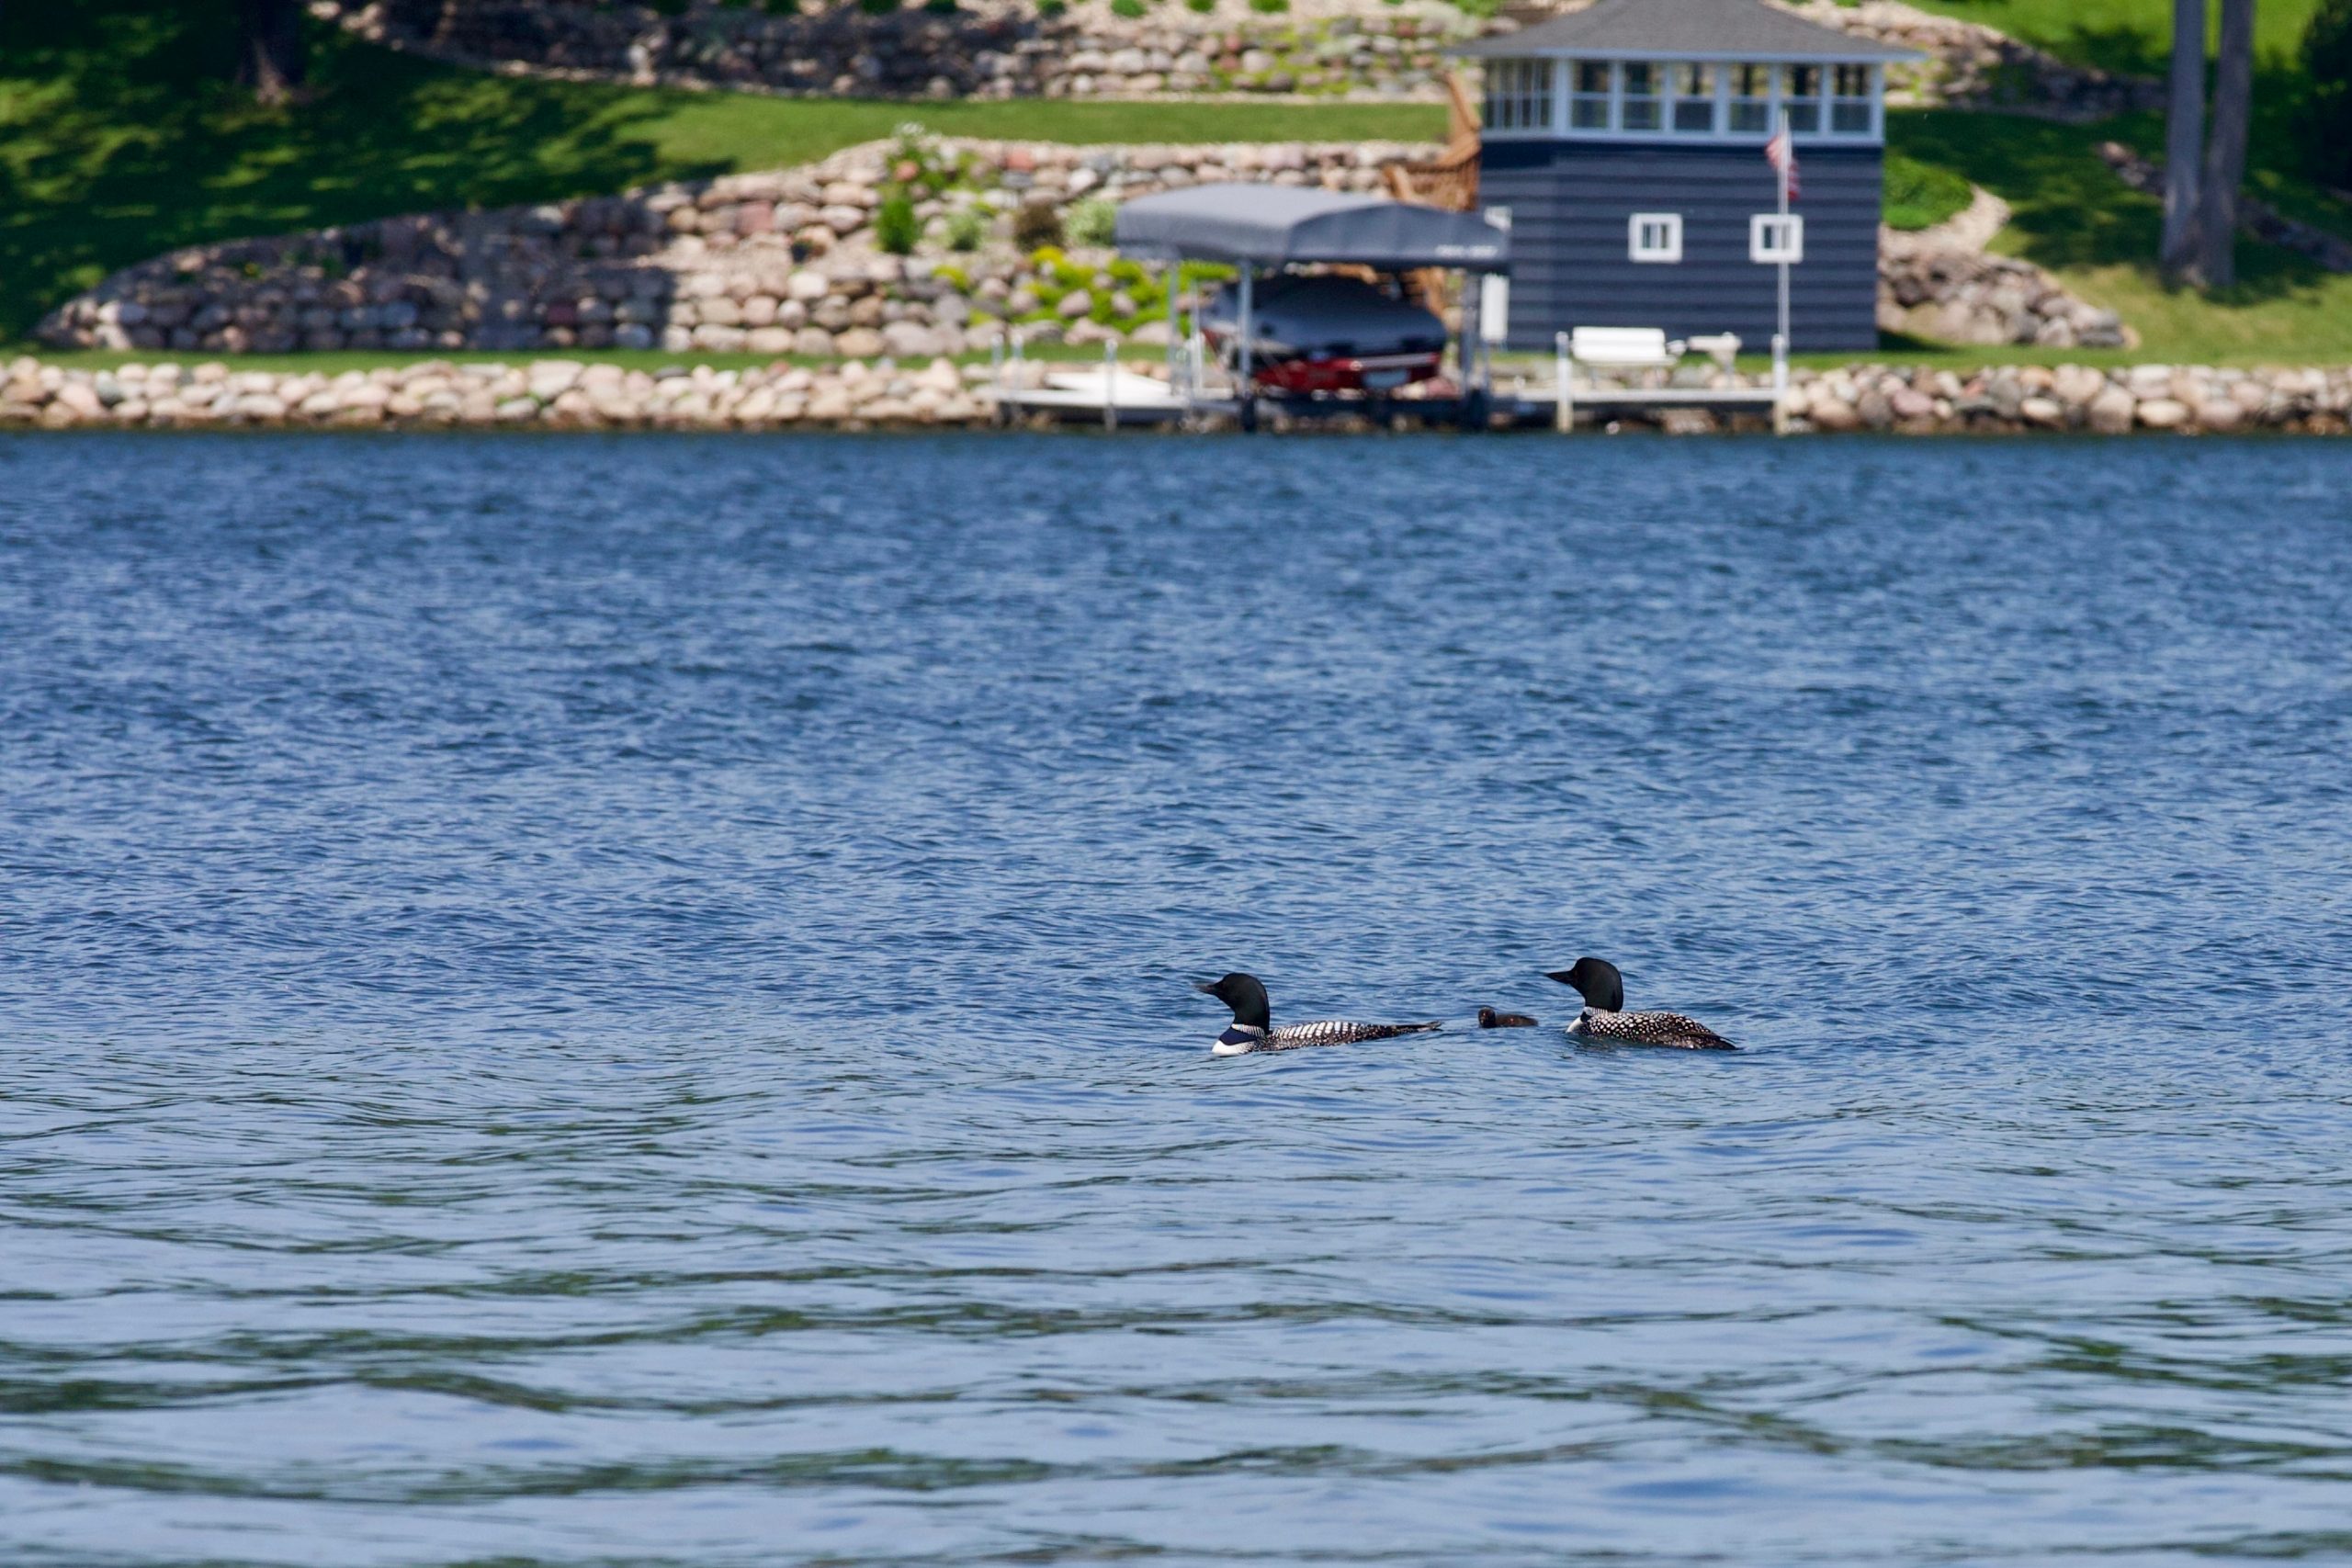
1277	225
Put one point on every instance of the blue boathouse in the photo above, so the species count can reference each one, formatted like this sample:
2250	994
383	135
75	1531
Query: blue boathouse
1625	147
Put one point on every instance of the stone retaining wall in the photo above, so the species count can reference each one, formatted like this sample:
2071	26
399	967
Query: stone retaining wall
781	263
2074	398
1001	48
788	263
1942	286
557	394
985	49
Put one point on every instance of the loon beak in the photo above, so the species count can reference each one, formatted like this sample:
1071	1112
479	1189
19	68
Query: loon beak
1562	975
1206	987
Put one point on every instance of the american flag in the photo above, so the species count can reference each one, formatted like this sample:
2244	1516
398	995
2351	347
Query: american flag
1781	153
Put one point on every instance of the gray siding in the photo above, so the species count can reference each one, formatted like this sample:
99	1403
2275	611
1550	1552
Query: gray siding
1570	201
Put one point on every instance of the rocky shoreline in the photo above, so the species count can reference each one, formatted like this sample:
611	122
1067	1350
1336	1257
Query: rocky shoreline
573	395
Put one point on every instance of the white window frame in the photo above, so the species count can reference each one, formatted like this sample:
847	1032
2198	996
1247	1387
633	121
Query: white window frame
1657	97
1521	97
1771	100
1667	254
1564	97
1606	97
1675	98
1773	239
1873	100
1787	100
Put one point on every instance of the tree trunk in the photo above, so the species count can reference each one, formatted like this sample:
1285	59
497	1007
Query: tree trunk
269	47
2184	140
2217	206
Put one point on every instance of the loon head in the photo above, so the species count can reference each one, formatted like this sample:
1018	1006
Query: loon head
1596	981
1245	996
1489	1019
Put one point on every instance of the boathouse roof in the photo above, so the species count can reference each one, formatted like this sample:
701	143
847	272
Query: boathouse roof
1273	225
1689	30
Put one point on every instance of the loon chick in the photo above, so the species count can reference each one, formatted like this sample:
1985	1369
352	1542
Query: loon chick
1489	1019
1605	1017
1252	1028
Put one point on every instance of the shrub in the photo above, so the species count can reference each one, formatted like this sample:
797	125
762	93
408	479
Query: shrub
1203	7
1920	196
895	228
1036	224
1092	221
967	229
1270	7
954	276
878	7
1052	8
2327	65
1127	9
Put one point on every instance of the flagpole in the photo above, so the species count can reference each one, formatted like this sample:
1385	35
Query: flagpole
1781	341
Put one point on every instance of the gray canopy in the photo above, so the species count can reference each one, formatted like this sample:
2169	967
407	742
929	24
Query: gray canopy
1274	224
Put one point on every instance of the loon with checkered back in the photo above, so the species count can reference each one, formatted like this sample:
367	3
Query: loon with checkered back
1253	1030
1605	1020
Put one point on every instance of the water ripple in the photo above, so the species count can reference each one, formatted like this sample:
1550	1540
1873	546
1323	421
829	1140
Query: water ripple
636	1010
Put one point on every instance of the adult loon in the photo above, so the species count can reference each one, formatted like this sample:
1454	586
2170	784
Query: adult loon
1252	1028
1604	1017
1489	1019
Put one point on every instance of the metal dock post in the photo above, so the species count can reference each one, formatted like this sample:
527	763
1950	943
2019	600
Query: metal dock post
1780	380
1563	413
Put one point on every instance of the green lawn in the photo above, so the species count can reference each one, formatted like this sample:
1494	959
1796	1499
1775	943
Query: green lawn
2073	217
2132	36
120	139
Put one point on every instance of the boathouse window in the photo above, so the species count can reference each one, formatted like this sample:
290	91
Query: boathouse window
1752	98
1641	98
1655	236
1694	99
1772	238
1519	95
1589	104
1849	103
1801	98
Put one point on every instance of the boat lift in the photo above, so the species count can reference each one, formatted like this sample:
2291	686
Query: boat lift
1260	227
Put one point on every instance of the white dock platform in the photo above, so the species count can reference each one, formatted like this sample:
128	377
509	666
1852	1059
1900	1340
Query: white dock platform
1104	395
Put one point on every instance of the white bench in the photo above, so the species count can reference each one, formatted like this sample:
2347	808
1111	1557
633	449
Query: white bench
1618	349
1623	348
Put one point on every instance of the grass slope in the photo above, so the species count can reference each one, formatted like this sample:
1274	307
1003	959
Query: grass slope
120	138
2132	36
2073	217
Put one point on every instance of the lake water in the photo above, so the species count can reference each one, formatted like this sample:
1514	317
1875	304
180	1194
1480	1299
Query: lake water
627	1001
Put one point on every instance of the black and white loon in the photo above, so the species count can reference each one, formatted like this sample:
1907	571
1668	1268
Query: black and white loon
1604	1017
1252	1028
